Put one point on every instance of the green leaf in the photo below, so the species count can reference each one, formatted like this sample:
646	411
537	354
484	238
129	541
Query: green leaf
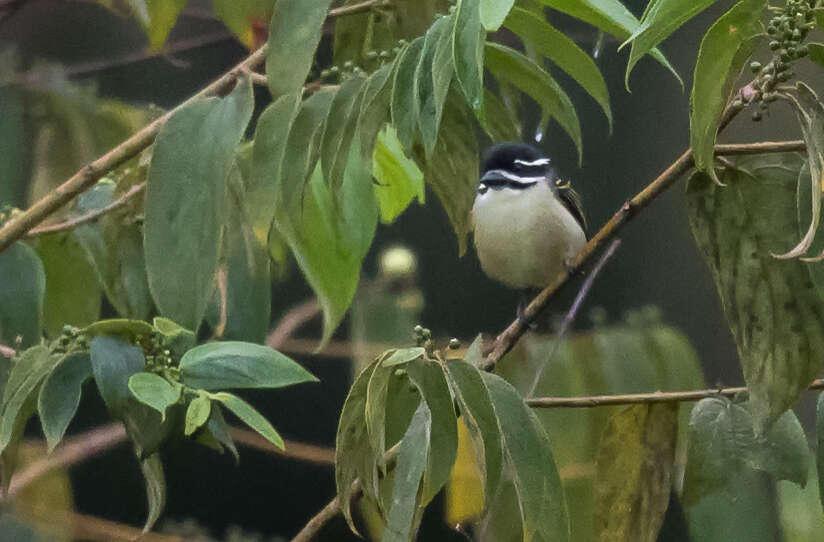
22	289
60	396
398	179
268	153
162	17
562	51
131	330
374	112
612	17
114	361
468	52
662	18
493	13
725	49
354	456
722	443
330	238
249	416
479	415
197	413
294	33
25	376
14	141
634	472
771	305
429	378
72	294
219	429
404	355
429	100
155	391
246	19
152	469
412	459
500	124
404	106
375	413
509	65
185	201
232	364
526	445
176	338
339	131
819	450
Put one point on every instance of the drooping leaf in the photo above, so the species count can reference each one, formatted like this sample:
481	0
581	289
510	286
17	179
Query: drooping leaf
28	372
294	34
819	450
429	378
507	64
375	108
662	18
443	71
429	100
152	469
493	13
339	131
541	497
219	429
771	305
60	396
724	51
402	356
562	51
232	364
197	413
185	201
468	52
249	416
412	460
397	178
722	444
246	19
114	361
376	407
404	108
612	17
155	391
162	15
72	294
634	472
22	289
478	414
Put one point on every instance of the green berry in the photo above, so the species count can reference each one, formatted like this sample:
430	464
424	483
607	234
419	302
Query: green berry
372	55
802	51
774	45
755	66
756	116
348	65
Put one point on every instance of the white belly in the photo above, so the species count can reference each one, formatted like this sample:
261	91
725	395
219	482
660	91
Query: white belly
524	238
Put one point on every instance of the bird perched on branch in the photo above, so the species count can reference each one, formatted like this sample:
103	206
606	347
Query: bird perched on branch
528	222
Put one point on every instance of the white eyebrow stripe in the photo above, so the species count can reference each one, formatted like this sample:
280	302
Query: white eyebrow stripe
538	162
515	178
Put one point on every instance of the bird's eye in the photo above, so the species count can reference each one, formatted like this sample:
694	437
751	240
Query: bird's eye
516	166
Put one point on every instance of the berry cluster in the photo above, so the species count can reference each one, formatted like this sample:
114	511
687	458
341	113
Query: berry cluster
349	69
159	358
70	340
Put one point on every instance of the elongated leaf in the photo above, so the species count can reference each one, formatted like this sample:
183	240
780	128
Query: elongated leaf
722	443
294	34
479	415
662	18
430	101
375	414
541	498
819	450
412	459
403	356
248	19
162	15
154	391
468	52
724	51
185	201
249	416
268	153
375	108
509	65
493	13
634	472
612	17
430	380
25	376
443	71
340	131
219	429
152	469
60	396
398	179
197	413
232	364
771	305
131	330
114	361
405	108
562	51
22	289
72	294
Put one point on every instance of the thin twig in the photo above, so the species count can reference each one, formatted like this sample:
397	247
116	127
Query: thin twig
294	318
319	455
760	148
573	311
314	525
639	398
90	216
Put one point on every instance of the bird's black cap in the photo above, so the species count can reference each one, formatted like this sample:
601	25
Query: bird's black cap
503	155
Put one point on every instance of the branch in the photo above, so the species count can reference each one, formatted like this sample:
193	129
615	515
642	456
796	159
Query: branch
88	217
86	527
17	227
760	148
294	318
319	455
639	398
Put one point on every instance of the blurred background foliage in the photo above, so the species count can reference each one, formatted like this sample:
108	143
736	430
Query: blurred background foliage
80	76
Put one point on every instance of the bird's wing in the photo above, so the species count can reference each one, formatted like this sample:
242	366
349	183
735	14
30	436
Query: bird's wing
572	201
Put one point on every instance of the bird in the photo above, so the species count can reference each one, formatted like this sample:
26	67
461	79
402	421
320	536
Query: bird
528	222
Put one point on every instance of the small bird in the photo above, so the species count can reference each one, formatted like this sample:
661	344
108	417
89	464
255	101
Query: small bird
528	222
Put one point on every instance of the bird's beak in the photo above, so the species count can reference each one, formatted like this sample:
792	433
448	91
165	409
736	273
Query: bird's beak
494	177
